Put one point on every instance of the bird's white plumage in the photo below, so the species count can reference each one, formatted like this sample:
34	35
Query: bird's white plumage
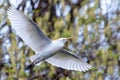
66	60
35	38
27	30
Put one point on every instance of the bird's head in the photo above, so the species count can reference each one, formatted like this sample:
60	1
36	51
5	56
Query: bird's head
64	40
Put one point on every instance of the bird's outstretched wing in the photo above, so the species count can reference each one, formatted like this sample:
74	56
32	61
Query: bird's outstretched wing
27	30
66	60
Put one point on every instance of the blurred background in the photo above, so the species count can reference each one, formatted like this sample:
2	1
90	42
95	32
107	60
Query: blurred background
93	24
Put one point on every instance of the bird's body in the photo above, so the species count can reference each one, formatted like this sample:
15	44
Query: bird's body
45	49
48	51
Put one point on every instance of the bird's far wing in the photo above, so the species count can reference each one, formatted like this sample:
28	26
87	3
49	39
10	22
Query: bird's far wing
66	60
27	30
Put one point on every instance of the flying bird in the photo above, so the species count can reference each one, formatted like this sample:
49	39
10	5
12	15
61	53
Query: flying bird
45	49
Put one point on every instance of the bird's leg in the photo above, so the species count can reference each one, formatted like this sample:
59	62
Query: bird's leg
32	64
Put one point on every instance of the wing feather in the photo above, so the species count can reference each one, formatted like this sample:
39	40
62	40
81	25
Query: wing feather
28	30
66	60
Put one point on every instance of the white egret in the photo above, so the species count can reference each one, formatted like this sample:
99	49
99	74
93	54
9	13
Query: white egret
46	49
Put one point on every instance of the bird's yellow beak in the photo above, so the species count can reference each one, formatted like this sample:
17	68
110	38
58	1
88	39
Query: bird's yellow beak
69	38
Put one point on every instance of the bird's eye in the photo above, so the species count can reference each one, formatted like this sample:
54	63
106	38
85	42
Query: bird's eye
64	40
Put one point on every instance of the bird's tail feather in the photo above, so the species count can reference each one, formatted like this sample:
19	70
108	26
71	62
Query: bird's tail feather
32	58
32	65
